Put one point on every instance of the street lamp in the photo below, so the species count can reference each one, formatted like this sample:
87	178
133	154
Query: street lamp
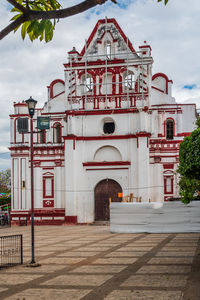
31	103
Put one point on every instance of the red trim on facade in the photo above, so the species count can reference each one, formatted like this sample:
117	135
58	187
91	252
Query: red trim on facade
40	212
165	131
163	141
44	179
171	191
48	203
106	163
71	219
107	137
167	156
58	95
54	125
165	77
52	85
19	104
19	115
101	112
103	169
99	64
155	88
175	104
184	134
47	160
108	31
103	21
51	213
53	113
168	166
168	198
12	185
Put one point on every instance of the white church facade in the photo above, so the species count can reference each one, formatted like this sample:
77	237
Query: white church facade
115	130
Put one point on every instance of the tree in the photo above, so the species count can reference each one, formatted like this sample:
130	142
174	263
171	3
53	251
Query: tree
189	167
38	18
5	181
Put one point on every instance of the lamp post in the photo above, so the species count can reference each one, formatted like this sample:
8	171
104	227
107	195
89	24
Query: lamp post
31	108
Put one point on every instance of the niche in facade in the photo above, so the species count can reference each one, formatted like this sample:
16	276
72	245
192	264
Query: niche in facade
107	153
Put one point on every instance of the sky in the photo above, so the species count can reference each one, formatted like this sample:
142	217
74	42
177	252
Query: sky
27	68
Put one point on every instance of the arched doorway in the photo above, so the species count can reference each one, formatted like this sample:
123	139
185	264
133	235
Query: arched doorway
104	190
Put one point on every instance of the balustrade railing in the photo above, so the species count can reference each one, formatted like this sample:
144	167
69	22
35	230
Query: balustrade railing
109	101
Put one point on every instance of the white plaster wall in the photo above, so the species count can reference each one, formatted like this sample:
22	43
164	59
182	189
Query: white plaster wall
80	183
107	153
93	125
143	169
158	98
57	104
59	185
189	118
38	187
58	88
156	190
20	109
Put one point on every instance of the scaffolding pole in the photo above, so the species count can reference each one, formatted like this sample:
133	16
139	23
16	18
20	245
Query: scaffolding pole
106	61
128	61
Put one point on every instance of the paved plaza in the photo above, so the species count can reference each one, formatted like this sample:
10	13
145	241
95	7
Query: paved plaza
90	263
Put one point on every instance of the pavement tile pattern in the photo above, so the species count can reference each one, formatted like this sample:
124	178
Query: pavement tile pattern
90	263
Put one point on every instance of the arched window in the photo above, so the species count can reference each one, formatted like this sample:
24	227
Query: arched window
107	84
169	129
108	126
57	133
129	81
42	137
88	84
108	49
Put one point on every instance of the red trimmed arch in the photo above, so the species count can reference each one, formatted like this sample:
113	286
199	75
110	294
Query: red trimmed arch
52	85
165	126
163	76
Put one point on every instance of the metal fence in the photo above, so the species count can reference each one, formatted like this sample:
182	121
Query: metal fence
11	250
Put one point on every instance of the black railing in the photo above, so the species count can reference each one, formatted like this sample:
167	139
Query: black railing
11	250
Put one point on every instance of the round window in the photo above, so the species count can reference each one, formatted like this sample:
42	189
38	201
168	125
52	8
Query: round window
108	127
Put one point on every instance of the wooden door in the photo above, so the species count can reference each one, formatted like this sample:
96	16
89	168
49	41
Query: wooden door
104	190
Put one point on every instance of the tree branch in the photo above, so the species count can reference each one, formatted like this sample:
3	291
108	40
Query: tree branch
66	12
12	26
29	15
17	5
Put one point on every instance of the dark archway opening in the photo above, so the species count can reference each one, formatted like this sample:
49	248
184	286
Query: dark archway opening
104	190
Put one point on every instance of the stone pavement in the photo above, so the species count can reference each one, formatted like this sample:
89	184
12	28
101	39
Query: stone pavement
90	263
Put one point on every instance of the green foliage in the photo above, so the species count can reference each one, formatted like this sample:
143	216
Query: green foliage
165	1
189	189
42	29
5	201
5	181
189	167
198	122
189	154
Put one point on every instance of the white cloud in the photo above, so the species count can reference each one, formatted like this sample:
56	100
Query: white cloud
172	31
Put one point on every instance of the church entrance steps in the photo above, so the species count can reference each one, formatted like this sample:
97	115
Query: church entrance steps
101	223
